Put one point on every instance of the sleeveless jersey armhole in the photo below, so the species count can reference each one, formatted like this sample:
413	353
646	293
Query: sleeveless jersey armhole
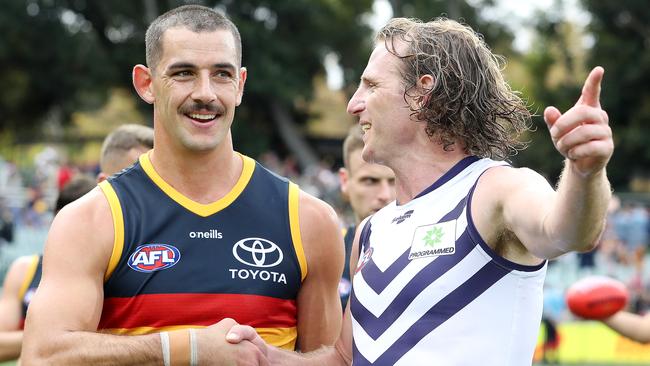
294	224
118	227
29	275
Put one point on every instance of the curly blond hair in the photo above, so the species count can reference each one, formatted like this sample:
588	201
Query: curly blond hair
470	103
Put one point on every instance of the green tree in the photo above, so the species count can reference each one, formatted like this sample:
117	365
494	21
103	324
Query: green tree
64	55
622	46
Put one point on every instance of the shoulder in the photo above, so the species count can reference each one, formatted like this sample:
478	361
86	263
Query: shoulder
18	271
319	227
500	182
314	210
83	226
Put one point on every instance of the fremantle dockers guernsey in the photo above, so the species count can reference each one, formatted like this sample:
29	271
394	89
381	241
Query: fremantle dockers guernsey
177	263
429	291
29	285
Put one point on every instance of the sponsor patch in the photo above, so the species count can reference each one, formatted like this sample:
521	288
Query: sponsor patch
154	257
434	240
257	252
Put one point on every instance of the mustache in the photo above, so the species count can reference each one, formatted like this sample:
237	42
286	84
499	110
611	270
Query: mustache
202	107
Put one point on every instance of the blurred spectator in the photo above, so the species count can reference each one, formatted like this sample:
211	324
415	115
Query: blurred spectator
6	224
631	224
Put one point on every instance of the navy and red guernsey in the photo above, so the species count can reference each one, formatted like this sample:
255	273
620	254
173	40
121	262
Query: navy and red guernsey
178	264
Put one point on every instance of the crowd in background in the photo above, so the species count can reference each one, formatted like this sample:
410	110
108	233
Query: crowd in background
27	196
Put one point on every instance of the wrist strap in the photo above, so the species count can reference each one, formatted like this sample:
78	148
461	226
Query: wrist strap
179	346
194	349
164	343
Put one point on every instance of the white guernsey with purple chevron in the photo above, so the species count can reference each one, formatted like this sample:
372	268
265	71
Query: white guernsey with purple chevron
430	291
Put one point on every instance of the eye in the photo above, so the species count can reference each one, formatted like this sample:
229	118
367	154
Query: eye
224	74
182	74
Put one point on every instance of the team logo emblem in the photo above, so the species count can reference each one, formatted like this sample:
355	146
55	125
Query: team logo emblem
154	257
364	260
257	252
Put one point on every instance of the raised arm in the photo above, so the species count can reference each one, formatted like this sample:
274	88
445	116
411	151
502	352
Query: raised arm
318	303
11	336
551	222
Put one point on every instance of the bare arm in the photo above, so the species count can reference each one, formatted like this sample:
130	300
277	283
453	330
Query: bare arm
11	337
64	314
630	325
318	303
549	223
66	309
338	355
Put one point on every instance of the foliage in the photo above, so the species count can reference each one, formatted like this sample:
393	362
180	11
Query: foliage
622	46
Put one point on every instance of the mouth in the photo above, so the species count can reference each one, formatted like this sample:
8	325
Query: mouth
202	117
365	127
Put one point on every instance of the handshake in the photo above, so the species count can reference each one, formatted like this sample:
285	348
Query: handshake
223	343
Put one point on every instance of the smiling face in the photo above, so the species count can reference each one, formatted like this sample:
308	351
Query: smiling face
195	88
379	104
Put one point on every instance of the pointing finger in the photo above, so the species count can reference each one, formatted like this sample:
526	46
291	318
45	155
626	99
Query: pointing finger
591	90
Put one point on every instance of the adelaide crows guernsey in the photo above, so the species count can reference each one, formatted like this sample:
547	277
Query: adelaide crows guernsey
429	291
30	283
177	263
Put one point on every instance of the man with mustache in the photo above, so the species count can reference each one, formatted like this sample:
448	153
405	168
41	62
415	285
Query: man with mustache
192	235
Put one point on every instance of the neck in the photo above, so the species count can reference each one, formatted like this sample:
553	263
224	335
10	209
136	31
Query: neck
203	177
418	171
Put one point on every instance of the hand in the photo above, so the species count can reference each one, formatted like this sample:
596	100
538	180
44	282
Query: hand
214	350
582	134
241	333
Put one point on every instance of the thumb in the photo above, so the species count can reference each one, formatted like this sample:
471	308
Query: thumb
551	115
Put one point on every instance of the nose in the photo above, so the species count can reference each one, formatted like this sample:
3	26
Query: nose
386	191
203	89
356	104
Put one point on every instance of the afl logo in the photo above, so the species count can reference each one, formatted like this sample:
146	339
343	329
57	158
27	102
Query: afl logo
365	259
154	257
257	252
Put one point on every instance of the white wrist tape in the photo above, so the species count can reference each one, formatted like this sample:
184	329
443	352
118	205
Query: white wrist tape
194	348
164	342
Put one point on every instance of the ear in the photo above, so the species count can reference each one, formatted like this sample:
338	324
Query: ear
425	85
243	73
343	179
142	82
101	177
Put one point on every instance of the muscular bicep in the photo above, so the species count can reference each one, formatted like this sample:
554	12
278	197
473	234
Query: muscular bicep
70	294
509	208
319	305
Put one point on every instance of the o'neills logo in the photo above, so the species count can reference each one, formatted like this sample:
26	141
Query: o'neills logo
210	234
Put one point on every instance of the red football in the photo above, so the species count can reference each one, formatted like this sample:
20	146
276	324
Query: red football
596	297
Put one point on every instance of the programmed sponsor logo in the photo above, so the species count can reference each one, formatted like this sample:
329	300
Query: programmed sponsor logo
434	240
260	253
154	257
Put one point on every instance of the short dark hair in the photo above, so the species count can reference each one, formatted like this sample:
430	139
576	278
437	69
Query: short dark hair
470	102
353	141
73	190
196	18
122	140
